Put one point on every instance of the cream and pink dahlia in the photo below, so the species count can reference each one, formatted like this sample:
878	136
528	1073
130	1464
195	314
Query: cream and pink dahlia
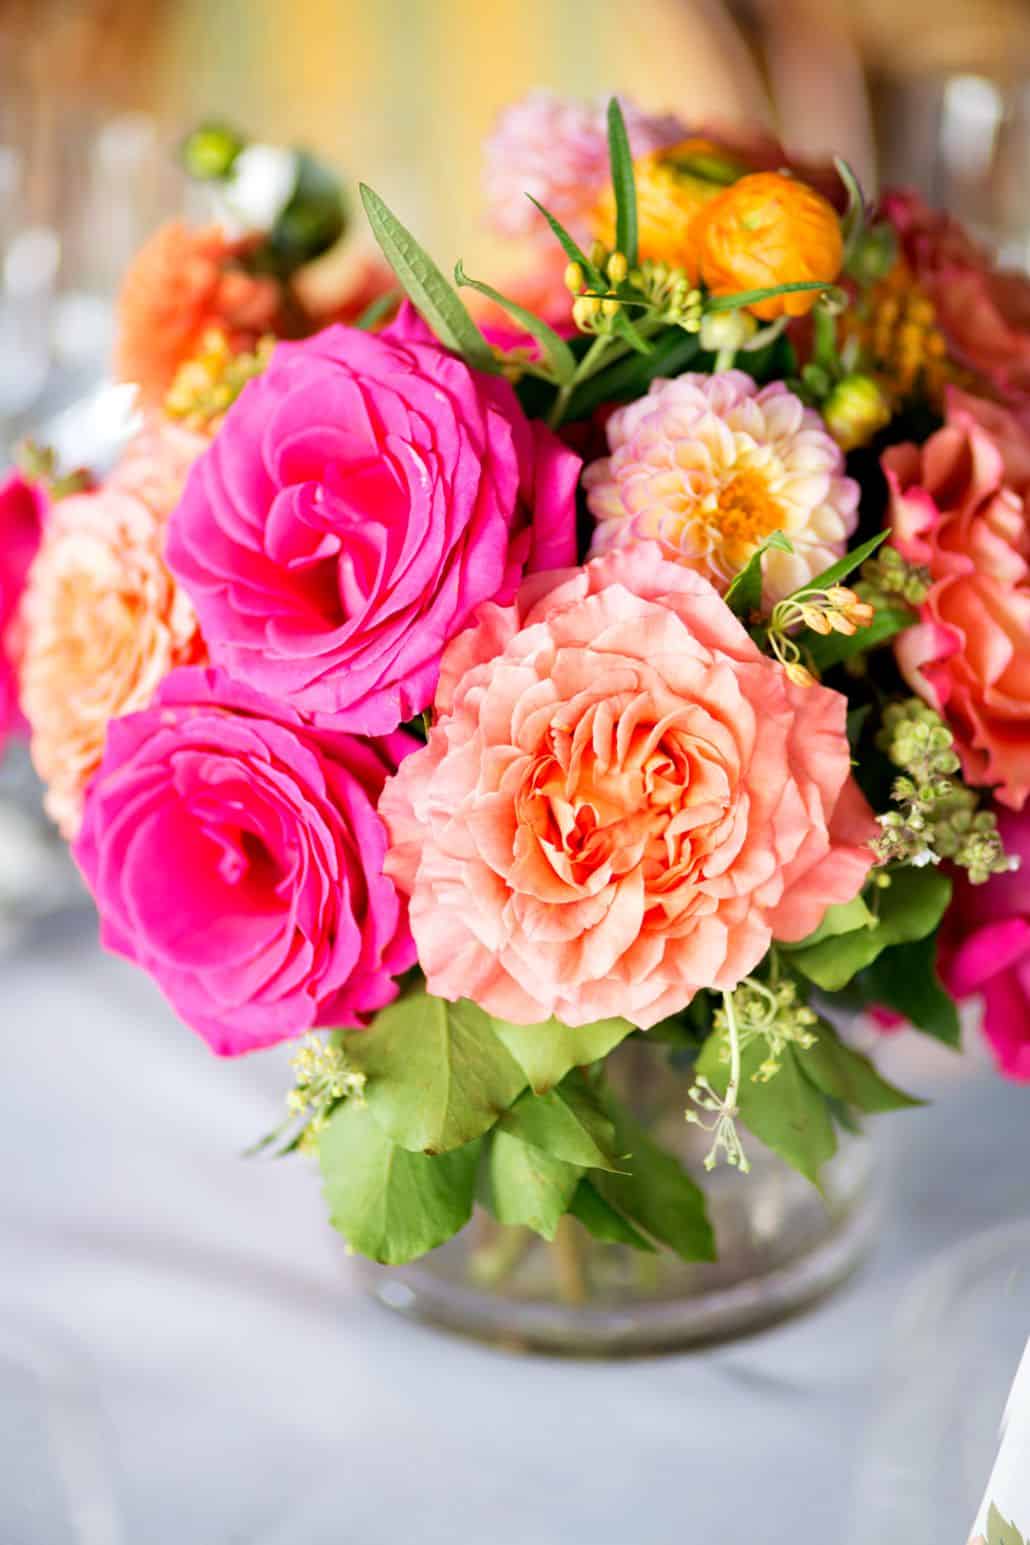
556	149
104	620
622	802
709	466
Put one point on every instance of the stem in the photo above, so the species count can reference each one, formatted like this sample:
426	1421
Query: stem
568	1263
724	359
733	1035
492	1263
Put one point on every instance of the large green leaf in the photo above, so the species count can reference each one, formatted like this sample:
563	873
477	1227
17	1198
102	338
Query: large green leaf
845	1074
431	294
839	571
656	1192
556	350
438	1073
623	183
568	1122
527	1186
905	979
548	1051
389	1204
787	1113
603	1220
745	593
910	908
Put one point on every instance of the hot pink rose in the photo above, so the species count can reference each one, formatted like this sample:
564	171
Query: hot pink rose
22	509
363	497
236	855
983	313
623	802
988	949
959	504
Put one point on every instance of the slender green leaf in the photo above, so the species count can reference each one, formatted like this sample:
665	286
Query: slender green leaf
388	1203
556	350
656	1193
787	1113
744	595
672	353
839	571
1000	1531
603	1220
905	979
854	221
833	648
527	1186
547	1052
568	1122
909	909
624	183
377	309
845	1074
573	251
431	294
752	297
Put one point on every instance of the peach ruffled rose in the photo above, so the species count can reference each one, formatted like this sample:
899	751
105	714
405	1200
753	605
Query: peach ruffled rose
622	802
104	621
960	505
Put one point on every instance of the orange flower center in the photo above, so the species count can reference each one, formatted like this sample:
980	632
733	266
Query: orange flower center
745	514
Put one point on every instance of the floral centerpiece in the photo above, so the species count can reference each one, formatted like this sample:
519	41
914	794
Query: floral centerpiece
478	693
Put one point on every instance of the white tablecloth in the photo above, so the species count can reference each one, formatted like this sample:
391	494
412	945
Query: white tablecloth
215	1377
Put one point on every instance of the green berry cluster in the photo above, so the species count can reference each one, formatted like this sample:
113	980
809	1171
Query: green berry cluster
773	1014
889	578
324	1077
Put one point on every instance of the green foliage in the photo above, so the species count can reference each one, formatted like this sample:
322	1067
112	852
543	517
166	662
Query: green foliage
717	303
390	1204
671	353
843	918
525	1185
431	294
603	1220
834	648
846	1075
623	184
656	1192
999	1531
744	595
568	1123
838	572
548	1051
438	1074
910	908
377	310
573	251
787	1113
556	351
905	979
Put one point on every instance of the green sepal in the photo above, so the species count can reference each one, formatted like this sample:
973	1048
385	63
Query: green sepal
624	183
604	1221
556	350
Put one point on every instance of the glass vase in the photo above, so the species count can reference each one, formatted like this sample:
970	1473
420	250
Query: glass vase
781	1246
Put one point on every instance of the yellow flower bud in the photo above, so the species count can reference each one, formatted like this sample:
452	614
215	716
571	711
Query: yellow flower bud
856	410
798	674
815	619
585	309
618	267
575	279
610	307
727	330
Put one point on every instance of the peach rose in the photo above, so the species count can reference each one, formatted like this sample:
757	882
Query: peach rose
960	504
104	620
622	802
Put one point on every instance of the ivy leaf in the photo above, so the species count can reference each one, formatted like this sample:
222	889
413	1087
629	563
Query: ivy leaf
548	1051
389	1204
657	1193
745	593
624	183
602	1220
556	350
569	1123
438	1073
909	909
839	571
787	1113
573	251
430	293
905	979
845	1074
527	1186
833	648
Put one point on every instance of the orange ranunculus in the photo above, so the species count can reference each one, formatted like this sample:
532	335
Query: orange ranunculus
673	185
765	230
181	283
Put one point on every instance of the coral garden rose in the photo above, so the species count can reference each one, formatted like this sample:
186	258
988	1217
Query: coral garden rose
236	855
622	802
104	621
983	313
556	150
710	465
960	505
362	498
988	949
22	511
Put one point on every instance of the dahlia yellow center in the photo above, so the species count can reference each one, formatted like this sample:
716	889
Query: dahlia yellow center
745	513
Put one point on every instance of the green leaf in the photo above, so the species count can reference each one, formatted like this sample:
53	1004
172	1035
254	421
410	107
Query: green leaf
573	251
556	350
548	1051
843	918
527	1186
845	1074
604	1221
671	353
431	294
835	647
745	593
905	979
839	571
854	221
787	1113
743	298
569	1123
999	1532
623	183
657	1193
909	909
389	1204
377	309
438	1073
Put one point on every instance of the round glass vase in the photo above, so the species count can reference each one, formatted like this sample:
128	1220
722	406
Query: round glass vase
781	1246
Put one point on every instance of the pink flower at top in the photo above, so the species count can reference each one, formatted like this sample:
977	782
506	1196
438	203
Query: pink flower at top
622	802
987	952
960	504
237	856
22	511
364	495
557	150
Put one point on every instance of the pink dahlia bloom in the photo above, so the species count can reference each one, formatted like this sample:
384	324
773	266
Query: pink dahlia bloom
988	949
709	465
557	150
363	496
237	856
960	504
623	801
22	511
983	313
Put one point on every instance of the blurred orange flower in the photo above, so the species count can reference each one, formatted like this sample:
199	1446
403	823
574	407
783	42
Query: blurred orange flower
672	186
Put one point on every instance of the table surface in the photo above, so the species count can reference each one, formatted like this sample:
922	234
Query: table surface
188	1325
